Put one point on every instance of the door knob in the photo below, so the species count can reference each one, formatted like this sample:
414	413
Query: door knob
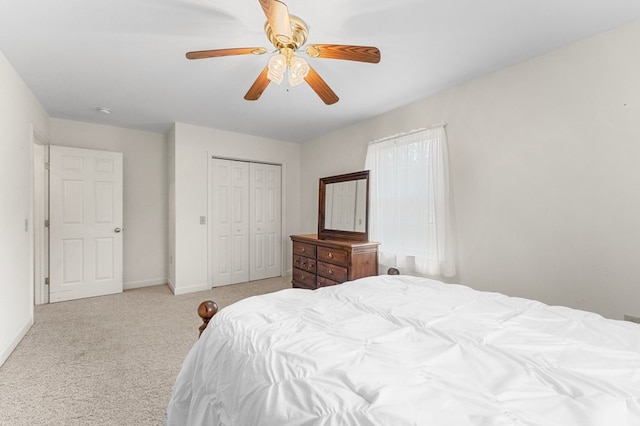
117	230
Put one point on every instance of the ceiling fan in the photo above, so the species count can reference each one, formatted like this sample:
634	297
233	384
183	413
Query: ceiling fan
288	34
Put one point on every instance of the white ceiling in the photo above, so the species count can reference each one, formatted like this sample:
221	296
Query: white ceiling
128	55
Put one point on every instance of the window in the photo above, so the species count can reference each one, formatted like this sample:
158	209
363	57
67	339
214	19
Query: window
410	213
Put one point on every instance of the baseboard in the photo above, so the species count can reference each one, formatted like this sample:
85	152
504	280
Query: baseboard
14	344
190	289
172	287
144	283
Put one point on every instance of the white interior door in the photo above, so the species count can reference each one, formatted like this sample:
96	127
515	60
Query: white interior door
85	214
229	222
265	204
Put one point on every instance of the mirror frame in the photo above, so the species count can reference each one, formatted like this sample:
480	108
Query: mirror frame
333	234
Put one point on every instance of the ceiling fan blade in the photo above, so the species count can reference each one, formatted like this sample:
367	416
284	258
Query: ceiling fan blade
277	15
201	54
261	83
321	88
339	51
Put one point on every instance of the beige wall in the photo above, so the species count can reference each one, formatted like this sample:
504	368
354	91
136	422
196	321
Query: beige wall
145	193
193	147
20	112
544	161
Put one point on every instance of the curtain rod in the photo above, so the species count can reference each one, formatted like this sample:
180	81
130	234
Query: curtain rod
410	132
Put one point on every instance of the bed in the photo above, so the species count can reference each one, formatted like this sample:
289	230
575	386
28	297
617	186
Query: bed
401	350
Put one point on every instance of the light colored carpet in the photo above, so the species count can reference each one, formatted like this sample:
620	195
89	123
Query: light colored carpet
108	360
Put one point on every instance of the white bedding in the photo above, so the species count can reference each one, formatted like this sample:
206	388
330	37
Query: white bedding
400	350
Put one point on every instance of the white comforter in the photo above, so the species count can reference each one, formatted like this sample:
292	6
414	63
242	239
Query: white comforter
394	351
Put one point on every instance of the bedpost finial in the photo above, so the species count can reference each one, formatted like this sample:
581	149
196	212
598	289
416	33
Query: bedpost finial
206	311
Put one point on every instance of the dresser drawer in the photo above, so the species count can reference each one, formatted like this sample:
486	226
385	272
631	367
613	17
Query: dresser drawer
333	272
304	263
335	256
326	282
302	249
303	279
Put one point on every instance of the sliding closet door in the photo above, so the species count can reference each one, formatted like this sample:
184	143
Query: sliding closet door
265	204
230	222
246	221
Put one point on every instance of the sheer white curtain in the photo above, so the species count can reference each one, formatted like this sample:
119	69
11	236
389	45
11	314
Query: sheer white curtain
410	205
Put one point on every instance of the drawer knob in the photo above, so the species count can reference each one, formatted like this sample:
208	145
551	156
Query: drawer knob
330	255
303	249
330	271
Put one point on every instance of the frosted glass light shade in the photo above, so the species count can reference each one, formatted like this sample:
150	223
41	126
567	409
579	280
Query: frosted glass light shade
298	70
277	68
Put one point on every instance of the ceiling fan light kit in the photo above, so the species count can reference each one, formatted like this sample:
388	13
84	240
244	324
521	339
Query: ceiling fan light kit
284	62
288	34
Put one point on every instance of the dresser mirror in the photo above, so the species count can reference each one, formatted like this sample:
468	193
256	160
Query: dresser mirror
343	208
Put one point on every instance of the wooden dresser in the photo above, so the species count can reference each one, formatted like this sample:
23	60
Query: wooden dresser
320	263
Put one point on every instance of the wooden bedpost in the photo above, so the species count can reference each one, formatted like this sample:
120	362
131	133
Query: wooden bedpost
206	310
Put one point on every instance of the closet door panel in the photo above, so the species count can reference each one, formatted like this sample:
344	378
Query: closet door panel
257	220
265	219
240	230
221	222
273	218
230	222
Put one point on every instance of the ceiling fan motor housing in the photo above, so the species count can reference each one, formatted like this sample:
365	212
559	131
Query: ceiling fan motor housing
298	38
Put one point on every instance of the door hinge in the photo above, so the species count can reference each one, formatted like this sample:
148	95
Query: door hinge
46	223
46	281
46	165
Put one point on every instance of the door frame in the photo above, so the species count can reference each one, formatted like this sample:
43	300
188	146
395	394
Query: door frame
39	214
283	201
